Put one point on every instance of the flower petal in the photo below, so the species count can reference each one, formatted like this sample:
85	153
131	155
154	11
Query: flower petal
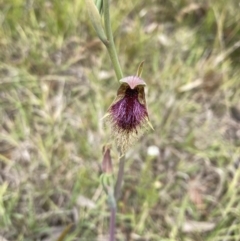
133	81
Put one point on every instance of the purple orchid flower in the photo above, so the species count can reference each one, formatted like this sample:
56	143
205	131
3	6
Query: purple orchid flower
128	113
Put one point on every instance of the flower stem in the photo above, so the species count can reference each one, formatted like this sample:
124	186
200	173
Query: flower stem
112	224
113	209
117	191
113	196
110	44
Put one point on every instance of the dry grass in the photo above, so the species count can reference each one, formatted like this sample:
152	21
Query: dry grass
56	82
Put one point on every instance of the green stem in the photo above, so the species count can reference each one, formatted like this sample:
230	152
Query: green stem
110	44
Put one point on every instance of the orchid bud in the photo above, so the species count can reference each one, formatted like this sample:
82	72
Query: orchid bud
107	160
107	179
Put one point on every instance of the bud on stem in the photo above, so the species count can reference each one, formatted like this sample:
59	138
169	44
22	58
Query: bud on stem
106	178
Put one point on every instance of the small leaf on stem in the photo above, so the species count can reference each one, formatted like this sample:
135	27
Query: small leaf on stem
95	18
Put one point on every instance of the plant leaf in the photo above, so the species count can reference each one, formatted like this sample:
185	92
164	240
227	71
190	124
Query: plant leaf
95	18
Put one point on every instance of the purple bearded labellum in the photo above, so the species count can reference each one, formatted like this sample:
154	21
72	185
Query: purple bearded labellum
128	115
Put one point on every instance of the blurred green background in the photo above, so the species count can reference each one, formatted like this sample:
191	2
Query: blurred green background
182	180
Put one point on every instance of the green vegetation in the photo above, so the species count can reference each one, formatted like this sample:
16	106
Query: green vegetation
56	83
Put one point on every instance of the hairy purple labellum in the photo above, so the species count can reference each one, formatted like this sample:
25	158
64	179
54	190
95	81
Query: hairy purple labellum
128	113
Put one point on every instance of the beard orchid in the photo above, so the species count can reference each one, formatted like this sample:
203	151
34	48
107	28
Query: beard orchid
128	115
